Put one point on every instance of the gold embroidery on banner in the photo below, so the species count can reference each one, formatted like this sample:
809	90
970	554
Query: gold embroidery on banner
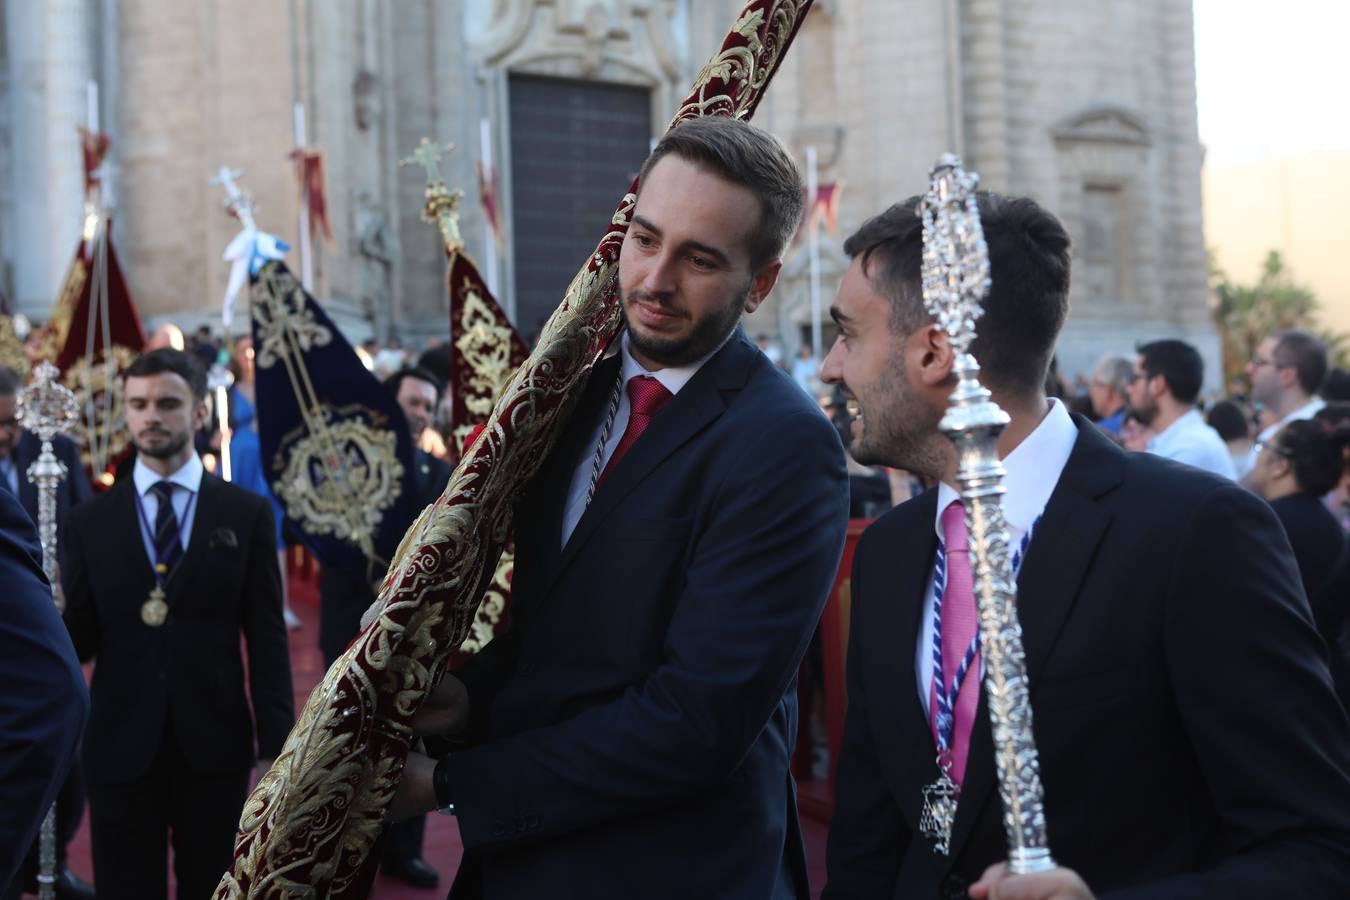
485	345
11	348
101	431
346	460
286	327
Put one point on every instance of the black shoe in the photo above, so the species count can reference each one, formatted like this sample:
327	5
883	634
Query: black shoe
413	871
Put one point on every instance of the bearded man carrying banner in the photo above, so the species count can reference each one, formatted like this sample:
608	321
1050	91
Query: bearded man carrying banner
701	768
630	733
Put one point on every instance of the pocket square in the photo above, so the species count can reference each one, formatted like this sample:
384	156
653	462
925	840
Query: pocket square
223	537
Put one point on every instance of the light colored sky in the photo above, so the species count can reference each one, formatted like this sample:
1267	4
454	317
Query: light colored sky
1273	78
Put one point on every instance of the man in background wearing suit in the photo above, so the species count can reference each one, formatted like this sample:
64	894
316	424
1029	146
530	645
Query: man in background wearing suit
344	596
162	574
629	735
19	449
1190	743
43	701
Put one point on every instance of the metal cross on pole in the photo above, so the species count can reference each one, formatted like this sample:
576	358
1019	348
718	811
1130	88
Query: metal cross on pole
442	204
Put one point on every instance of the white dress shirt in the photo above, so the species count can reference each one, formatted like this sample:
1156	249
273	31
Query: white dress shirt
1306	411
187	483
673	379
1191	441
1032	471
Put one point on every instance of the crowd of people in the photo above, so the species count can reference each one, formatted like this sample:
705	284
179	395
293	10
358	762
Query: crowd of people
1183	580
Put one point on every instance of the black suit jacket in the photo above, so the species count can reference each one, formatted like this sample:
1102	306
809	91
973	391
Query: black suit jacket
1190	744
634	724
344	596
188	671
43	701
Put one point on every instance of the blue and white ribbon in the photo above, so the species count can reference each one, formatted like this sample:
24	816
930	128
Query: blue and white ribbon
247	253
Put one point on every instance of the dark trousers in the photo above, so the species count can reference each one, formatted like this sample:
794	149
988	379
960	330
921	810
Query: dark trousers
69	811
131	824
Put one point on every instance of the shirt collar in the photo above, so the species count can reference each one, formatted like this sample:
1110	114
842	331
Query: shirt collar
1182	424
1032	470
1306	411
672	378
189	475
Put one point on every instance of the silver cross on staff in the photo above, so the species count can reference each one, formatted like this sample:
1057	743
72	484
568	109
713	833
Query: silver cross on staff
956	281
237	202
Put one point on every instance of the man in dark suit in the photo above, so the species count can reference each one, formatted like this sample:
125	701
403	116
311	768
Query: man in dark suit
629	735
344	596
19	449
1190	744
43	701
162	575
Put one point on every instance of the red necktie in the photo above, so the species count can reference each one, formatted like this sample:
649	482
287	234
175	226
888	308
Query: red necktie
646	398
960	621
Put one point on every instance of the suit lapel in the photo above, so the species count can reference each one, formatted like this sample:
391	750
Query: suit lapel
896	622
542	528
204	519
697	404
1057	561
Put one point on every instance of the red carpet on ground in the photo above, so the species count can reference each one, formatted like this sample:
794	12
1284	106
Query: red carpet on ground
441	848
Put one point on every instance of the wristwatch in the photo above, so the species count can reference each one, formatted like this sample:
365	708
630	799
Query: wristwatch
440	783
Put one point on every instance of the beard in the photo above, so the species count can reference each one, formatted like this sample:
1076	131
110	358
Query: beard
706	336
168	449
1145	414
898	430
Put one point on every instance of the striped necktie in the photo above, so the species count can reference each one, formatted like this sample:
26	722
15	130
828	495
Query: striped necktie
168	547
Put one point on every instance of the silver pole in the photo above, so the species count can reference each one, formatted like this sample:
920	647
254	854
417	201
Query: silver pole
306	258
47	408
955	282
813	251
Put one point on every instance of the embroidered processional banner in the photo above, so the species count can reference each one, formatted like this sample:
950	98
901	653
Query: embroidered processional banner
309	826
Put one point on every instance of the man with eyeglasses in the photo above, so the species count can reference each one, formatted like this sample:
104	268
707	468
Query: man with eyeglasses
1162	392
1286	372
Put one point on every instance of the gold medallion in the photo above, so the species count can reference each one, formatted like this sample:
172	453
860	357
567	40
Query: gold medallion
154	610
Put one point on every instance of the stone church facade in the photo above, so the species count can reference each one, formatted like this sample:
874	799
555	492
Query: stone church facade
1090	110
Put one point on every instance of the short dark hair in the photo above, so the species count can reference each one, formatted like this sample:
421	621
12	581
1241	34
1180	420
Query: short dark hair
1228	419
1178	363
1305	353
1028	298
1315	453
1336	386
176	362
751	157
10	382
394	382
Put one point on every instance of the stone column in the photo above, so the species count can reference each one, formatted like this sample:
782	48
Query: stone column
50	63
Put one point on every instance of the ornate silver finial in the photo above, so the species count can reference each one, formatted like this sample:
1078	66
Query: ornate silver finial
955	283
46	407
955	257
